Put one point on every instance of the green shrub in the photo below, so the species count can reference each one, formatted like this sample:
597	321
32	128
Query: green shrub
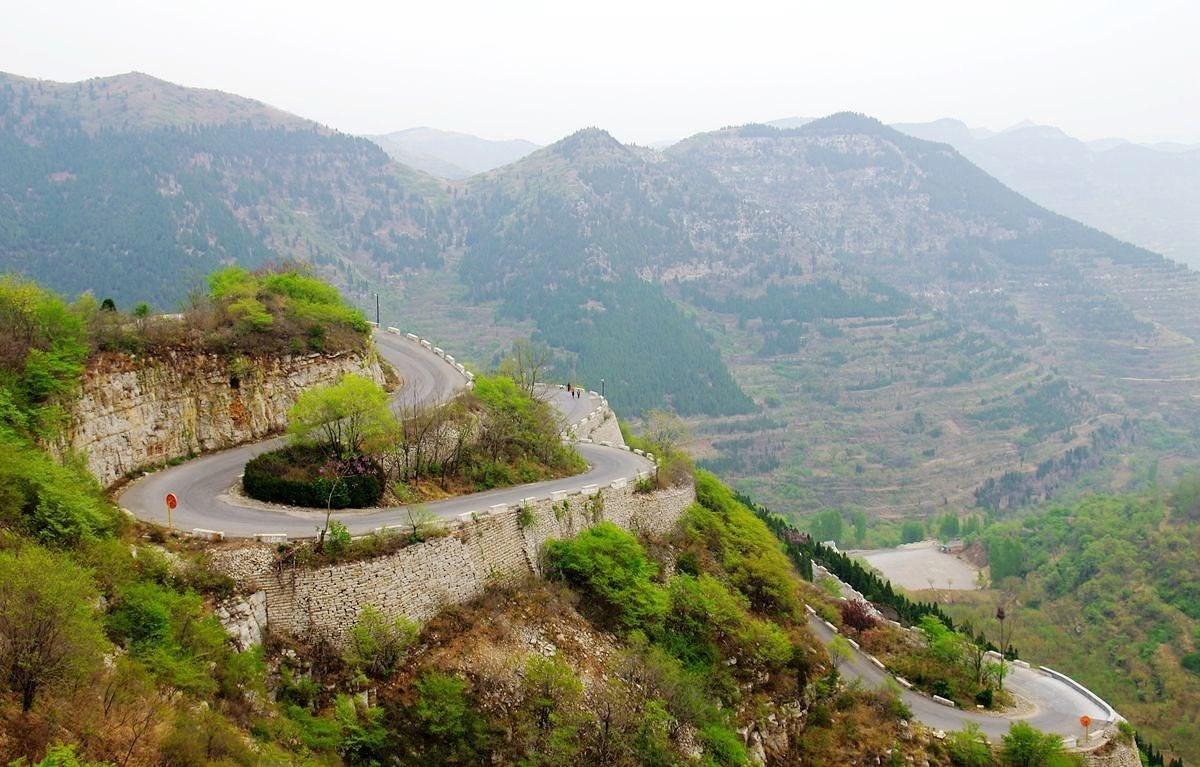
968	747
293	476
744	546
377	645
203	738
1026	746
64	756
51	633
451	727
56	504
171	632
722	746
706	622
608	565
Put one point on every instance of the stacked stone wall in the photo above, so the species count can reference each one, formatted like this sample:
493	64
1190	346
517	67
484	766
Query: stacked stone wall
501	546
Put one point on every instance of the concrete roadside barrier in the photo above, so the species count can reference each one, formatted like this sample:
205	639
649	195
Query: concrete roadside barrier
208	535
944	701
271	537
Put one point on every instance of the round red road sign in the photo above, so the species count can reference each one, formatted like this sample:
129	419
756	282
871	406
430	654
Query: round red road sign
172	501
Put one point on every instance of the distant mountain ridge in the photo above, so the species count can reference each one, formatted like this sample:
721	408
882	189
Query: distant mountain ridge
137	101
1146	194
451	155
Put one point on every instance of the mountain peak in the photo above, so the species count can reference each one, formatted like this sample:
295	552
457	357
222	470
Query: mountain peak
847	122
587	141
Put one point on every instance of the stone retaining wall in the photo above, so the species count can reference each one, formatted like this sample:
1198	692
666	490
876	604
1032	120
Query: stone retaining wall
1116	753
499	546
136	412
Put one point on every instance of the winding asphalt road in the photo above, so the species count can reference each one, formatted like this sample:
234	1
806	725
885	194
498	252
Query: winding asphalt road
204	485
1053	705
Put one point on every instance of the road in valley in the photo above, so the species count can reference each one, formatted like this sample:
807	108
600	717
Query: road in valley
205	486
1050	705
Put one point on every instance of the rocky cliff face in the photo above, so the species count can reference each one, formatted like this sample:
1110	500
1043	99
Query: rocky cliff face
137	412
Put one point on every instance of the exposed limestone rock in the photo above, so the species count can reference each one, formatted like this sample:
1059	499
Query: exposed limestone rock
244	618
137	412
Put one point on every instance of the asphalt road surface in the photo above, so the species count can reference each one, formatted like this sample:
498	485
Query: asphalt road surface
1054	705
205	485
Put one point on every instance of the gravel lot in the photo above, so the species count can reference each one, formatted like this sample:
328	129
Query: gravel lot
918	565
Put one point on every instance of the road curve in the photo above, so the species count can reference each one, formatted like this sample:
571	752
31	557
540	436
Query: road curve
204	486
1055	705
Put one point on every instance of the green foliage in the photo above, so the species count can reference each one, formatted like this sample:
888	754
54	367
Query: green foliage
551	717
948	526
377	645
608	565
365	740
449	727
968	747
515	430
203	737
912	531
64	756
56	504
48	621
1185	497
744	546
169	631
707	623
341	416
41	358
1006	555
303	475
1026	746
722	746
827	525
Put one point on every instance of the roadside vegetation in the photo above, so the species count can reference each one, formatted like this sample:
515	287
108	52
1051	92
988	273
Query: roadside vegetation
1106	590
350	450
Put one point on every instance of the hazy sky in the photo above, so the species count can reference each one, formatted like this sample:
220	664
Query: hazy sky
644	70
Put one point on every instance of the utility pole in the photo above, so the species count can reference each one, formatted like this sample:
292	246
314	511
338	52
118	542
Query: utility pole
601	387
376	308
1000	616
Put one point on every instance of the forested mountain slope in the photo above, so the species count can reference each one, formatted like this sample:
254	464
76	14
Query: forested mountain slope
878	323
108	179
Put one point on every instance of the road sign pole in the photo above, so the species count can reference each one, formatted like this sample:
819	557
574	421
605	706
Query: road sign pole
171	501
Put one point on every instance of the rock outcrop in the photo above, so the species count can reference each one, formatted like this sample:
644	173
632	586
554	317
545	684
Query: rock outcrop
137	412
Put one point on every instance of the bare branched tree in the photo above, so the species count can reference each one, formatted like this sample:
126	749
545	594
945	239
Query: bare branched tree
527	364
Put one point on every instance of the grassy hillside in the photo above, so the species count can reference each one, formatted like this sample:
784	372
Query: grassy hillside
93	198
